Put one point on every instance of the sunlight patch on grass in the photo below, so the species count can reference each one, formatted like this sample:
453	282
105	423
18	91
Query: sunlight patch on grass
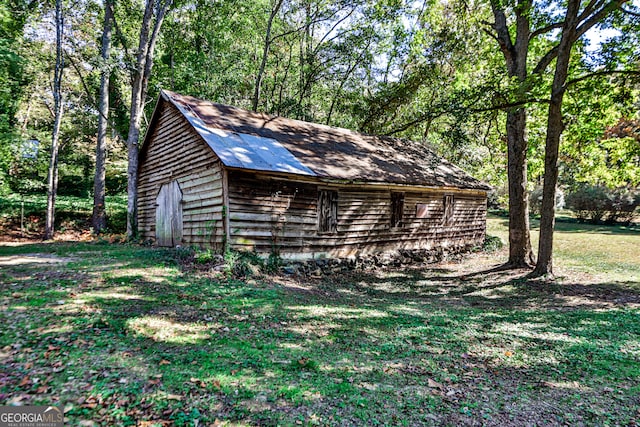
534	331
62	329
493	293
165	330
317	329
151	275
567	385
338	312
291	346
112	293
406	309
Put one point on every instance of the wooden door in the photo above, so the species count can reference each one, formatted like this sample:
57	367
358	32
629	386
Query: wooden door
169	215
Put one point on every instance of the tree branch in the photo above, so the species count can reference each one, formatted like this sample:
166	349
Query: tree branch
583	28
601	74
598	16
628	12
546	29
434	115
93	102
502	32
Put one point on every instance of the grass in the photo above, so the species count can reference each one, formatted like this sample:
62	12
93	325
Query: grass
72	213
125	335
609	252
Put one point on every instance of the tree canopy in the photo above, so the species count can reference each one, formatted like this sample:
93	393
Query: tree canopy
472	80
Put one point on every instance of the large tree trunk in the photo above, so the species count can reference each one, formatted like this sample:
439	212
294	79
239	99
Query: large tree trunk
520	252
555	126
515	54
142	72
99	217
52	178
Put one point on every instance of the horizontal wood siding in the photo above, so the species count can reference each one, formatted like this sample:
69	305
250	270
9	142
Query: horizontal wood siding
268	214
176	152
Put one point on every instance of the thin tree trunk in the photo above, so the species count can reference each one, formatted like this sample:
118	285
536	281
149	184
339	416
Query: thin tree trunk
99	217
265	53
52	178
346	76
144	64
555	126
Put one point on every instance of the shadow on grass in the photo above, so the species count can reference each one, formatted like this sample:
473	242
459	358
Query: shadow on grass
162	345
571	225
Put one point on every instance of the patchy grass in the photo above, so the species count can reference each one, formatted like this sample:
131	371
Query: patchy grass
73	214
608	252
121	335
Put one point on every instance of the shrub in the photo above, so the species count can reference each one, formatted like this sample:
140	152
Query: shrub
492	244
622	204
74	185
589	203
535	200
598	203
241	264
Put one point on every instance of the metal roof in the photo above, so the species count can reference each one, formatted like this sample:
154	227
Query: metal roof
254	141
245	151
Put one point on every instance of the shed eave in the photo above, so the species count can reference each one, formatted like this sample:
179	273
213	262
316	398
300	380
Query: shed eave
382	185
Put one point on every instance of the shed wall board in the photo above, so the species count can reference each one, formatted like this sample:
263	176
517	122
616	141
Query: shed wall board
174	151
266	214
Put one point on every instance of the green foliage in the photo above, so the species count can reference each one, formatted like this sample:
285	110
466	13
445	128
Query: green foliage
598	203
492	243
242	264
204	257
76	210
274	262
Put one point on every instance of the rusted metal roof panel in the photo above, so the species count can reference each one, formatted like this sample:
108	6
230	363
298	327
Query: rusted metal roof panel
255	141
243	150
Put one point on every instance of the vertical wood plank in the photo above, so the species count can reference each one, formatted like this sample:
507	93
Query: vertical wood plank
225	206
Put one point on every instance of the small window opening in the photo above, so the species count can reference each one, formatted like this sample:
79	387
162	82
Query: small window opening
397	209
448	203
327	211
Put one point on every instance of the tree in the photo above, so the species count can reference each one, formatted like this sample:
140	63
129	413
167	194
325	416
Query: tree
154	14
275	8
574	25
516	56
52	178
99	217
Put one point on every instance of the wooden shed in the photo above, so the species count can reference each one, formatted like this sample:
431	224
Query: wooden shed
211	175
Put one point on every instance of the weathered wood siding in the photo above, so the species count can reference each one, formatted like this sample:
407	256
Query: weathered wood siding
176	152
269	214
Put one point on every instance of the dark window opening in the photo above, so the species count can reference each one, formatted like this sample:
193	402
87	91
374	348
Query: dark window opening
397	209
327	211
448	202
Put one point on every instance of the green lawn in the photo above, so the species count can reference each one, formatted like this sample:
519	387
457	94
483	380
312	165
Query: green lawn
72	214
608	252
123	335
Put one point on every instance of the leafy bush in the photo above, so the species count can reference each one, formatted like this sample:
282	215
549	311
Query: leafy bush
622	205
535	200
598	203
492	244
242	264
204	257
498	197
74	185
